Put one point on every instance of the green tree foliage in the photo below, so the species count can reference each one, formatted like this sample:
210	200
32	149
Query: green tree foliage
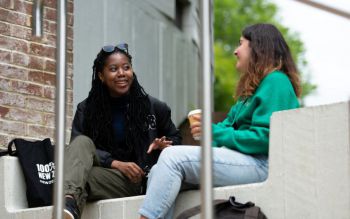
230	17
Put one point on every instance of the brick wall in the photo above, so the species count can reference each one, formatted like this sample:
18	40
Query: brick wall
27	71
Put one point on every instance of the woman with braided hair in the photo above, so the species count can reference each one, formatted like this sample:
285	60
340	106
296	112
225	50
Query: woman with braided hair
118	132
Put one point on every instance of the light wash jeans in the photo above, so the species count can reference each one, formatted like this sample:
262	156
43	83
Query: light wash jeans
182	163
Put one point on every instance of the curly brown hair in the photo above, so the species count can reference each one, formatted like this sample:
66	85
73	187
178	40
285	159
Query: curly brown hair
269	52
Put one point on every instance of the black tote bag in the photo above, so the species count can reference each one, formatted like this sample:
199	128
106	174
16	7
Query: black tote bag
36	160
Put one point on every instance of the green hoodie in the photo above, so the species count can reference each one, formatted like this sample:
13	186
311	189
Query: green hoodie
247	125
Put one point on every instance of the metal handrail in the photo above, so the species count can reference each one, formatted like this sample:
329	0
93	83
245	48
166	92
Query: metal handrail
206	61
60	108
327	8
37	16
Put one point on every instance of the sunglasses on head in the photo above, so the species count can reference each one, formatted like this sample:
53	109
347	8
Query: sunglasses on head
122	47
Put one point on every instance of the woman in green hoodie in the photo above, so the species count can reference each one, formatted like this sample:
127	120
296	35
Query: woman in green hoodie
268	83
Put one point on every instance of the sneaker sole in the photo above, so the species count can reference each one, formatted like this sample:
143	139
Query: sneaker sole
68	215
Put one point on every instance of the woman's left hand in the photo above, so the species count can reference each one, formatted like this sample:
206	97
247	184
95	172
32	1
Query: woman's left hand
159	143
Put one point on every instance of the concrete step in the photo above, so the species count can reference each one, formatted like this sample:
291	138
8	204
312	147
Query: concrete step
309	174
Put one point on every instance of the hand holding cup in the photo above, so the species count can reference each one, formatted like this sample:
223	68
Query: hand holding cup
195	119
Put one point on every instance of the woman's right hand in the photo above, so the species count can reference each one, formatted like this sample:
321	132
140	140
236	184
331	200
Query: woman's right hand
129	169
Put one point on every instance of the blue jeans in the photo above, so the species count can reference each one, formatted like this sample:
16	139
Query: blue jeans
182	163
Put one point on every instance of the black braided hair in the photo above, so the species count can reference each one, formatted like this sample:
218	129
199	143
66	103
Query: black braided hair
98	120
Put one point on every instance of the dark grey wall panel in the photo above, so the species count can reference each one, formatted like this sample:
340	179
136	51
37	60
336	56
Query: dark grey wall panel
164	57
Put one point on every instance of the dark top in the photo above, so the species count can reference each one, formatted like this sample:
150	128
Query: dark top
159	124
119	107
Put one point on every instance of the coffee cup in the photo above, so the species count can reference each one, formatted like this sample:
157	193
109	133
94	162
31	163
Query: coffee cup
192	120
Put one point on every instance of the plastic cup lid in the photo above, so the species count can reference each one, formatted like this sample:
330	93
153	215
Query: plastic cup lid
196	111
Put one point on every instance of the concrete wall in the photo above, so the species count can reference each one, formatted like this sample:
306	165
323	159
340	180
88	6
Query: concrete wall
165	57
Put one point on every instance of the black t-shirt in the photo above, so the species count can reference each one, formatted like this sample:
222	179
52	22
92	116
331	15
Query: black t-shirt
118	110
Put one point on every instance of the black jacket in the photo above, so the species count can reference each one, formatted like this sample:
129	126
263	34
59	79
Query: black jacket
159	123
